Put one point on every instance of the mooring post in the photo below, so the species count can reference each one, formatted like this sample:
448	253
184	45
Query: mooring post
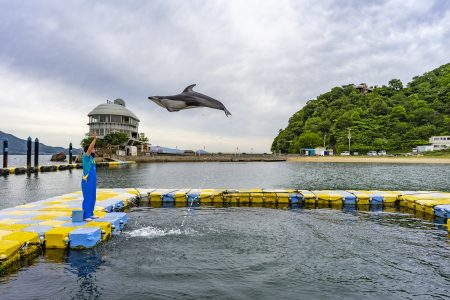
36	153
5	153
70	153
29	153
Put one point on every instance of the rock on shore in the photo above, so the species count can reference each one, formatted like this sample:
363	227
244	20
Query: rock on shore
58	157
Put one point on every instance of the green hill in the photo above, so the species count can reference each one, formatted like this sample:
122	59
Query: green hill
392	117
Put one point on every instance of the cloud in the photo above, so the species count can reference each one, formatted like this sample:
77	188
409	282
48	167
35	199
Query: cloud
263	59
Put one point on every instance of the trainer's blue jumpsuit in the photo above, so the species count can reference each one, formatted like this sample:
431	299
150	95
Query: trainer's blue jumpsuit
89	185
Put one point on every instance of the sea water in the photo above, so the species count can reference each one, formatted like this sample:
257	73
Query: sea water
245	252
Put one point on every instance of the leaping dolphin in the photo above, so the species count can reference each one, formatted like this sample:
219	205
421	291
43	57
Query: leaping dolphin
188	99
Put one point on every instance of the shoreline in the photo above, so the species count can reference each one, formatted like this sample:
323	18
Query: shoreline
367	159
205	158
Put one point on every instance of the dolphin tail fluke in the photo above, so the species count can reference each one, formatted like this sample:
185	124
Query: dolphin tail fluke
227	113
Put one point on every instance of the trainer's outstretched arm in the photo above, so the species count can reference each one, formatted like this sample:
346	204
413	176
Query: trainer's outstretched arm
92	145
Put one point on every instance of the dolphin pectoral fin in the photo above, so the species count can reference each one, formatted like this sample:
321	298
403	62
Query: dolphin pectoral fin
189	88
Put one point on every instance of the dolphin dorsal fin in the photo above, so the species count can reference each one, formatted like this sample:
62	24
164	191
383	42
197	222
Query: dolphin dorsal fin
189	88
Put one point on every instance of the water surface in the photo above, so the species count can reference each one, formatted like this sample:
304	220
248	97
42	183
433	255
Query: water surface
245	252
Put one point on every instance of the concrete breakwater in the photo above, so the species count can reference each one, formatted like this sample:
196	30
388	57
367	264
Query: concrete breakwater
205	158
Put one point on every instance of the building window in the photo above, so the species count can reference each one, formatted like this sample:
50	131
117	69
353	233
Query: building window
116	119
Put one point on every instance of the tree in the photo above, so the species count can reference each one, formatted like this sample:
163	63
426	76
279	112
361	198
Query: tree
143	138
116	138
309	140
395	84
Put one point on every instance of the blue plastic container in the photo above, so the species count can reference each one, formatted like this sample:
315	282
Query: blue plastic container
119	215
86	237
117	203
348	198
296	198
116	224
442	211
169	197
77	215
376	199
193	196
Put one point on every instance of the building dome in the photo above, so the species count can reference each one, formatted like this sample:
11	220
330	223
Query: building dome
112	117
110	108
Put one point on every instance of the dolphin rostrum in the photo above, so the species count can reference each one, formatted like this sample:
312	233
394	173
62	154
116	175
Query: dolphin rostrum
188	99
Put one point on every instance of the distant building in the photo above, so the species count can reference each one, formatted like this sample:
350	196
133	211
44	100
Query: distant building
423	148
364	88
440	142
113	117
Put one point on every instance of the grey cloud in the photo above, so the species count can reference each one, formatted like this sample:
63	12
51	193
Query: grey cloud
263	59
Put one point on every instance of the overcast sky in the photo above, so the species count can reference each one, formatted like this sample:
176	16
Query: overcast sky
263	59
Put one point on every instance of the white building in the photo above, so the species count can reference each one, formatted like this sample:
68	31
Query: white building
440	142
423	148
113	117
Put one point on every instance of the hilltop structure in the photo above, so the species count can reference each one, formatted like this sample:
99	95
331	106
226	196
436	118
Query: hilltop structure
363	88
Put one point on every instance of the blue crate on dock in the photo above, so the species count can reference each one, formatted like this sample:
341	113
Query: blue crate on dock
296	198
442	211
108	206
120	215
39	229
376	199
86	237
117	203
348	198
193	196
168	197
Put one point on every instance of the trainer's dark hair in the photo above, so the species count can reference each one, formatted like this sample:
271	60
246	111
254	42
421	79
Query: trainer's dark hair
86	148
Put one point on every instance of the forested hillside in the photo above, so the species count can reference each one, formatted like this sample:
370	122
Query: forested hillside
392	117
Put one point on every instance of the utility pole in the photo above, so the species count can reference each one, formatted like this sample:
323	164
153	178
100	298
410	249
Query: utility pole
349	139
324	137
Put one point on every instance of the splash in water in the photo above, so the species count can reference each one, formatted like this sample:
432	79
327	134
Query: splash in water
153	232
188	210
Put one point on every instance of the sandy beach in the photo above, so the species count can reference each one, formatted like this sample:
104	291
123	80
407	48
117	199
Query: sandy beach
367	159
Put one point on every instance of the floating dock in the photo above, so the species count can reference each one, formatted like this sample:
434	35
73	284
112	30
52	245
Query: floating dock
27	229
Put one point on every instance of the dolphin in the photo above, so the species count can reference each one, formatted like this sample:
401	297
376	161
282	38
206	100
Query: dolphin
188	99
